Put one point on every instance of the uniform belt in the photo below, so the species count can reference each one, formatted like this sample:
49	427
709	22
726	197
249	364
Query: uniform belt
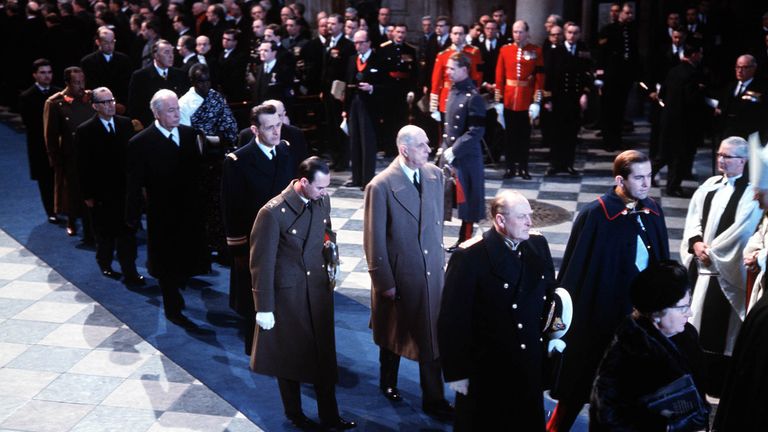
399	75
517	83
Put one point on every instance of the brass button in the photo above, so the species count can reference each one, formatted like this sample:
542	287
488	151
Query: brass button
514	306
506	285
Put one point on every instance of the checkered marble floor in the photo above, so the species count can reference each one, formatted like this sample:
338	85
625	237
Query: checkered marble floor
568	192
67	364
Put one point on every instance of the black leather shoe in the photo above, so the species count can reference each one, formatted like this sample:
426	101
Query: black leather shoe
441	410
134	280
509	174
524	174
572	171
108	272
304	423
71	230
180	320
452	248
339	425
53	219
392	393
350	183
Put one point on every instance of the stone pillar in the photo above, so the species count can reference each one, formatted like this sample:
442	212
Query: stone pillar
535	12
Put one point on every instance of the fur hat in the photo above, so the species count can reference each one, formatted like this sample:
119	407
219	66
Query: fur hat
659	286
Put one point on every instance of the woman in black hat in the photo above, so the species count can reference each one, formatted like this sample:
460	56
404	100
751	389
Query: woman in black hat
652	368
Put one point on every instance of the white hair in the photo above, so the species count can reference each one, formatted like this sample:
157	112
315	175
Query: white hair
159	97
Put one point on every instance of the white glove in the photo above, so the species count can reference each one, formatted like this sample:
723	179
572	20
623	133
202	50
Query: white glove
436	116
460	386
265	320
448	155
499	107
343	126
533	111
555	345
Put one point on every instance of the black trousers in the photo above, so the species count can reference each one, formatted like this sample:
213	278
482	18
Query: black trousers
362	142
45	185
615	95
336	142
430	376
565	122
290	393
113	236
171	287
518	135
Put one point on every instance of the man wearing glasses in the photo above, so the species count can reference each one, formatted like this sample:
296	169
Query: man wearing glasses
743	106
722	215
101	144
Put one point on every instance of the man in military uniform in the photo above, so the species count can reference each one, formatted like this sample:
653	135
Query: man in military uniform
567	85
490	327
619	65
441	82
519	83
464	127
743	105
400	58
295	340
251	176
62	114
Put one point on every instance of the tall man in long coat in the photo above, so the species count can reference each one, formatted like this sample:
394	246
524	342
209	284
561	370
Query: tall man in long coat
295	340
63	113
722	215
402	241
102	142
490	329
613	238
165	160
31	104
464	128
252	175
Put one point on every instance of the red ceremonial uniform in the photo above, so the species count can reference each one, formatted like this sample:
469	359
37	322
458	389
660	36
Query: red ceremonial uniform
441	82
519	76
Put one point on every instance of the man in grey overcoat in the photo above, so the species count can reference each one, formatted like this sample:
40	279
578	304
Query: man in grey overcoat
403	247
295	339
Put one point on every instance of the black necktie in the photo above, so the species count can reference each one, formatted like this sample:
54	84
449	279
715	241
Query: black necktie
416	181
112	130
173	141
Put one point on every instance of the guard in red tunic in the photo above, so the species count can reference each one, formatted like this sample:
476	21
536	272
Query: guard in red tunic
519	83
441	82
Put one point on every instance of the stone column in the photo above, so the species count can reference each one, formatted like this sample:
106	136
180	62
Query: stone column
535	12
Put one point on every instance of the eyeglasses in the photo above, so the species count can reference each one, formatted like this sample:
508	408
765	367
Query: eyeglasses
105	101
727	156
744	67
682	309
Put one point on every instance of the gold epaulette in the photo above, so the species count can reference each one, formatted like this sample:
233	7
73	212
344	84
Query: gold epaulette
232	156
387	43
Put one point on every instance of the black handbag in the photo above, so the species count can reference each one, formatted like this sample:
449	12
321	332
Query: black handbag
680	403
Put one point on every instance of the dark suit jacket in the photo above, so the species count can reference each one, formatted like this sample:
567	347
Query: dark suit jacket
145	83
101	159
114	75
489	60
375	72
335	62
231	75
275	85
746	114
31	103
170	175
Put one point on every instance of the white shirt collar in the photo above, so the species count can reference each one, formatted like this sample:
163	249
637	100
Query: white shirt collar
266	149
270	65
187	57
158	69
166	133
409	172
41	88
364	56
335	39
106	123
107	57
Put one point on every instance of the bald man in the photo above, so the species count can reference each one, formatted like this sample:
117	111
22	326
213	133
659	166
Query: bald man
490	328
